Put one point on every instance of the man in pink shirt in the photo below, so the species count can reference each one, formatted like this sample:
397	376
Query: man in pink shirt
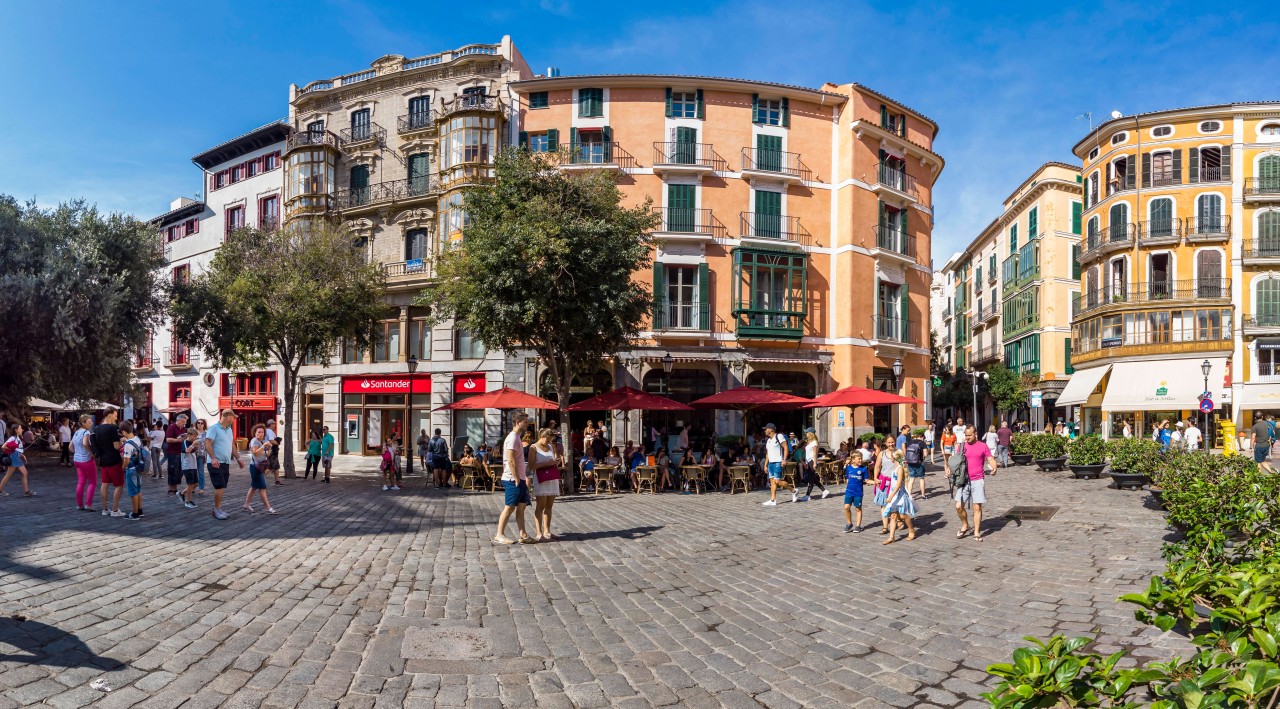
977	455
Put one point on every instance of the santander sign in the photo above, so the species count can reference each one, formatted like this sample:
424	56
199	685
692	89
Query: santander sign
385	385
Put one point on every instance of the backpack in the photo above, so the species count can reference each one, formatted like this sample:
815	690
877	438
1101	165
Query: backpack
914	455
140	458
959	469
783	446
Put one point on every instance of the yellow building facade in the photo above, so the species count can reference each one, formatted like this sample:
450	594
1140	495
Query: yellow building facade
1180	288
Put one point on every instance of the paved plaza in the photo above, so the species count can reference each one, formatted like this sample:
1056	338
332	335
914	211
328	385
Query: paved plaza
356	597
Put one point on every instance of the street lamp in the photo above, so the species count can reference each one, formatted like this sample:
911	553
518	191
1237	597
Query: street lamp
668	363
1204	415
976	376
897	374
413	367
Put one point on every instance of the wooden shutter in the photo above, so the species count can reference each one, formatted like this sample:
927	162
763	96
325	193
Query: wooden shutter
419	164
1077	213
573	139
607	134
884	116
702	113
524	139
1177	166
659	281
904	304
1146	171
902	125
359	177
786	112
1033	218
1013	239
1075	261
668	102
553	140
755	108
1067	349
1225	170
1193	167
704	297
584	99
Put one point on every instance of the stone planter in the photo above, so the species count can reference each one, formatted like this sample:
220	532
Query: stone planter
1020	459
1088	471
1129	481
1050	465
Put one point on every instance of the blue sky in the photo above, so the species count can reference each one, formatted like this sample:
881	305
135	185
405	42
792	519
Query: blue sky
109	101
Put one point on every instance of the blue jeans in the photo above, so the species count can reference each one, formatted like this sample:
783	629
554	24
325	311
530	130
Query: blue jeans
201	462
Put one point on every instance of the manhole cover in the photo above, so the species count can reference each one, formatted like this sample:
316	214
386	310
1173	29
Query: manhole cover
1029	512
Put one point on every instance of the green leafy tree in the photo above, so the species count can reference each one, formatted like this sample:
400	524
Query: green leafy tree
546	264
1007	389
81	292
281	297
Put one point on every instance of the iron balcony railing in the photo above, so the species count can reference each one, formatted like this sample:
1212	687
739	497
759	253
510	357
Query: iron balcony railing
682	153
1160	229
894	329
311	138
1121	234
1162	178
1262	320
392	191
180	357
1154	291
418	120
410	267
143	359
686	220
669	315
470	102
771	226
1214	174
363	133
1120	183
990	353
895	240
774	161
897	179
1262	186
991	311
945	340
1267	247
1211	225
597	153
946	312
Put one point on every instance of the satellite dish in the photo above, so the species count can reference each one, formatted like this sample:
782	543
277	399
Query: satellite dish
1116	114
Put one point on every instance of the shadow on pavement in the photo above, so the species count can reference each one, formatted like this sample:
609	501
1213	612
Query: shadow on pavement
47	646
633	533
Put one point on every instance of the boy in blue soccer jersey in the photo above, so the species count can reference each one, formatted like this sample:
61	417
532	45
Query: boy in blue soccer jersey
855	473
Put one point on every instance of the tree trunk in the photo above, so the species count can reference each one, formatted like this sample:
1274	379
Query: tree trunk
290	393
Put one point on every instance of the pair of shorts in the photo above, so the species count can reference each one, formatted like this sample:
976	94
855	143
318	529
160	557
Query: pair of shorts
1260	453
915	471
946	450
257	478
775	471
189	476
517	492
326	459
219	476
974	493
174	471
132	482
853	500
113	475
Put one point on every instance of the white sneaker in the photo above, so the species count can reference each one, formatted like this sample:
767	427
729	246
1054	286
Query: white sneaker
826	494
106	512
385	488
117	513
770	503
395	487
795	497
802	498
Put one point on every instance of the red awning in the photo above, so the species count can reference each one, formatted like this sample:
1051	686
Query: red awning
858	396
746	398
504	398
628	399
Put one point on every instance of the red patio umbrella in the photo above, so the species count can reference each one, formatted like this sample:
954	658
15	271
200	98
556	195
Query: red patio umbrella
505	398
629	399
746	398
859	396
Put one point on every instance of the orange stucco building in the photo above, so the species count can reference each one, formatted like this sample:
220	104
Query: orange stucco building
794	249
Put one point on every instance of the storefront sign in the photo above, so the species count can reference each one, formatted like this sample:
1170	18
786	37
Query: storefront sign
468	383
247	403
1037	399
1111	341
393	384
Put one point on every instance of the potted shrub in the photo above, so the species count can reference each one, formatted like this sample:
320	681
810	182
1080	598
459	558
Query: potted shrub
1133	460
1088	456
1049	452
1021	447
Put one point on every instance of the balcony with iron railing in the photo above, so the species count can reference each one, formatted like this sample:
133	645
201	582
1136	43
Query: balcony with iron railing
774	165
1262	189
946	312
470	102
894	243
180	358
405	65
768	324
1162	178
1214	174
772	227
1212	289
142	360
362	135
311	139
1265	323
681	316
1121	183
1020	326
598	154
986	355
381	193
685	223
945	340
1213	227
1261	251
1160	232
418	121
682	157
897	180
895	329
988	313
1113	237
412	269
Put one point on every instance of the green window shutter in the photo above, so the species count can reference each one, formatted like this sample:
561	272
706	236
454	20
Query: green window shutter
1193	168
607	134
902	125
1146	171
1069	369
1075	261
1013	239
573	139
553	140
755	108
1177	166
884	116
524	139
1077	213
882	216
359	177
1033	218
769	152
659	282
668	102
768	217
680	209
584	108
704	297
991	265
420	163
902	226
904	302
883	155
786	113
1079	179
702	113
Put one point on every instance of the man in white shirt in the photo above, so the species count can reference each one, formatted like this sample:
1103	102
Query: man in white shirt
64	437
958	429
1192	436
776	451
515	482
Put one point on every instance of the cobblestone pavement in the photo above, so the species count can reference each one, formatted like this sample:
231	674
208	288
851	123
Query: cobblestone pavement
356	597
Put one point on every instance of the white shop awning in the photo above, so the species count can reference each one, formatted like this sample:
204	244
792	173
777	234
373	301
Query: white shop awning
1081	385
1260	396
1161	385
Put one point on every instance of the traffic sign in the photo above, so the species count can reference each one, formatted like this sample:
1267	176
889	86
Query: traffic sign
1206	405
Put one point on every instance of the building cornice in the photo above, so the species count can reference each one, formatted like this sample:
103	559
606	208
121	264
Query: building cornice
799	93
1104	131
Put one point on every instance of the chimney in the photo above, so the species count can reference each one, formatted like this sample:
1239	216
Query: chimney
179	203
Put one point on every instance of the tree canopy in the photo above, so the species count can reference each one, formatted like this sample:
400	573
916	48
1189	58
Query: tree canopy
81	292
281	297
1008	390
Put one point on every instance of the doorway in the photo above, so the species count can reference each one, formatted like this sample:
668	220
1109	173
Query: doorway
379	425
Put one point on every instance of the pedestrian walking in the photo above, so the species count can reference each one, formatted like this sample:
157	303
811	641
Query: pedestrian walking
190	467
948	443
886	471
313	455
272	440
438	448
1004	438
326	452
220	445
259	455
15	448
388	467
1193	436
929	441
546	473
811	467
855	475
1260	439
107	443
971	459
174	436
515	482
64	441
776	450
137	463
913	456
155	440
82	459
899	508
423	440
992	438
202	457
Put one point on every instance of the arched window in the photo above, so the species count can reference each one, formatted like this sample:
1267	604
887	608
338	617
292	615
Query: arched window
1266	301
1209	277
1118	229
1208	214
1269	233
1161	217
1269	173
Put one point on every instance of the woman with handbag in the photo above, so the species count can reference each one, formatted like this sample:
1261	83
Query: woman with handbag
546	474
14	448
886	472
